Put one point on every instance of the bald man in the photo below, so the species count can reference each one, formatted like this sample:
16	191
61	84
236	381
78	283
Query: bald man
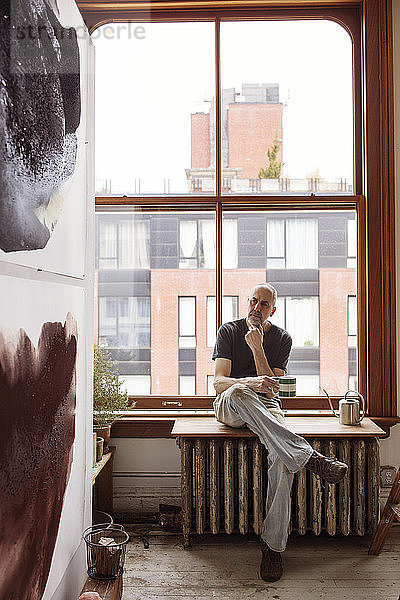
249	353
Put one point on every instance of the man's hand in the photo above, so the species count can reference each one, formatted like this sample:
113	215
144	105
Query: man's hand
254	338
265	384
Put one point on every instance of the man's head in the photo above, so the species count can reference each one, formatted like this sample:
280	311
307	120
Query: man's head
261	304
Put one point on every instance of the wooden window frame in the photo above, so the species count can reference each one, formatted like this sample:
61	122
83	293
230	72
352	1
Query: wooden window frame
374	171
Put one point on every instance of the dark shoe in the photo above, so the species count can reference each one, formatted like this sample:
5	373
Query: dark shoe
271	567
330	469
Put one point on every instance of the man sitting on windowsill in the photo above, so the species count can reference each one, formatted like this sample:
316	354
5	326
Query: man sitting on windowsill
248	354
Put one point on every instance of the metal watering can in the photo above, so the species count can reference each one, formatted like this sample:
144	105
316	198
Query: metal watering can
349	408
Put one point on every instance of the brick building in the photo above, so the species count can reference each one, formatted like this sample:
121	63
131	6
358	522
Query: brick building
251	121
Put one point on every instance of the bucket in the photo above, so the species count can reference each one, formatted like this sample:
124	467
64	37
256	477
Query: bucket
105	550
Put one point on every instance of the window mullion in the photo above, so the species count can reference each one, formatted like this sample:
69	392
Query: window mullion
218	179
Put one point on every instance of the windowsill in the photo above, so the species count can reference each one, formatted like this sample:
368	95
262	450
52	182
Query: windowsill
159	424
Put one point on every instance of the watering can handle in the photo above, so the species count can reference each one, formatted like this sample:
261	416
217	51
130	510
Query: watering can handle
330	403
355	393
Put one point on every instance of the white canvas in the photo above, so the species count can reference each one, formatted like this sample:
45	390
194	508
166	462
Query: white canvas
64	252
28	305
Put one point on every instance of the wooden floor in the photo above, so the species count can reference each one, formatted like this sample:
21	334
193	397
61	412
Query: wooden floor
315	568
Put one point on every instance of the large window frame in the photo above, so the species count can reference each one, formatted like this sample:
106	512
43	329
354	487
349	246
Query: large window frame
370	27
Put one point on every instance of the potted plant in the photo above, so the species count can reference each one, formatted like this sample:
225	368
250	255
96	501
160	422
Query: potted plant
108	398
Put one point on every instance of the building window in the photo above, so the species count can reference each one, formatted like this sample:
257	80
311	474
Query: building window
229	313
292	243
351	244
210	385
352	321
307	385
197	244
302	320
300	317
187	322
123	243
135	384
124	322
187	385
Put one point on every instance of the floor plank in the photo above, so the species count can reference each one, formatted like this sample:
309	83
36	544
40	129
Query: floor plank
226	567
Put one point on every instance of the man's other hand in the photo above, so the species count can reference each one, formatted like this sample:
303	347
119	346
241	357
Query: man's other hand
265	384
254	338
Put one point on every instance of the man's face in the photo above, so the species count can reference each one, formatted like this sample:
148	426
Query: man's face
260	306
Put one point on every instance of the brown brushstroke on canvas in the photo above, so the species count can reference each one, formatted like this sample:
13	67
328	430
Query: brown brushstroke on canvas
37	425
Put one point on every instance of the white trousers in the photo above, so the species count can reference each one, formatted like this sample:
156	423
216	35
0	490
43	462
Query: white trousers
239	406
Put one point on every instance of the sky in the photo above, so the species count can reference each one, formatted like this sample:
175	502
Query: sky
150	78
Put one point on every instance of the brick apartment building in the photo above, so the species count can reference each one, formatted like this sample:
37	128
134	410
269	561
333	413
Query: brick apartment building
251	121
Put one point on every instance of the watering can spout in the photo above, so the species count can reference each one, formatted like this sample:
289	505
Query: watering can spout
330	403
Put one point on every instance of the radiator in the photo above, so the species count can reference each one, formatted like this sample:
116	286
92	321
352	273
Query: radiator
224	485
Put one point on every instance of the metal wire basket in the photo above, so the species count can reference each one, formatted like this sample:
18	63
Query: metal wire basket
105	550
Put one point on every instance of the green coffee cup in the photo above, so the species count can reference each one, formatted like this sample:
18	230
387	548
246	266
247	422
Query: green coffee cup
287	386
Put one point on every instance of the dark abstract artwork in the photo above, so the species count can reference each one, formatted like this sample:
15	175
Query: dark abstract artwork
37	416
40	111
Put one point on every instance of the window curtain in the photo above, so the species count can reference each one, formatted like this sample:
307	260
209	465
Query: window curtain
302	244
276	238
207	246
302	321
187	238
134	245
108	244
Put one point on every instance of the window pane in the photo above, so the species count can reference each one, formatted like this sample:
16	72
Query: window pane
302	320
307	385
303	118
131	235
187	385
210	385
134	244
352	243
301	243
155	108
275	238
153	319
187	322
229	243
136	384
313	287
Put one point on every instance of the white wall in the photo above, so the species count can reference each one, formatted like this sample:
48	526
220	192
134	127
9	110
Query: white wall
68	568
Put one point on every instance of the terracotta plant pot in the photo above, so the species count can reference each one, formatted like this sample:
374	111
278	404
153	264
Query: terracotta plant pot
104	432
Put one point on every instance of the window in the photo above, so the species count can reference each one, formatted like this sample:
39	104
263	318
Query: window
123	242
187	322
210	385
197	244
187	385
309	186
352	321
136	384
292	243
351	243
124	322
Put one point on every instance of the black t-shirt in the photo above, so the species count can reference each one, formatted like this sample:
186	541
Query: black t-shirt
231	344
